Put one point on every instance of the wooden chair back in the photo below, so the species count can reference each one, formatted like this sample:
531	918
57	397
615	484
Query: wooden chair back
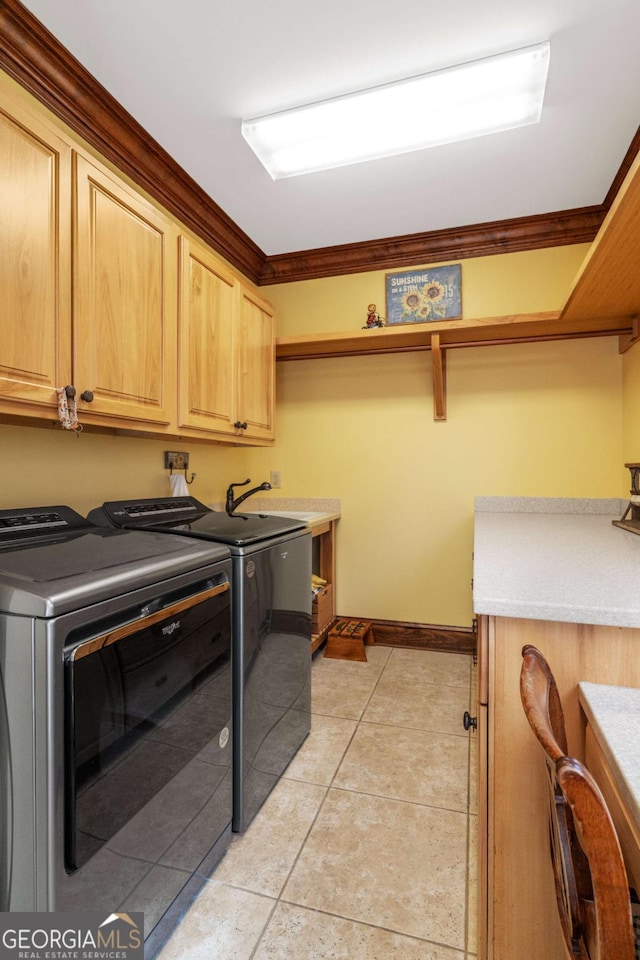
542	704
607	924
591	884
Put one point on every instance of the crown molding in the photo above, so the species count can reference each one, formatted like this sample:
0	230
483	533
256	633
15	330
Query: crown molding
37	60
623	170
477	240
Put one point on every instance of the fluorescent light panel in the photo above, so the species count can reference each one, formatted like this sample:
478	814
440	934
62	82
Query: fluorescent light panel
469	100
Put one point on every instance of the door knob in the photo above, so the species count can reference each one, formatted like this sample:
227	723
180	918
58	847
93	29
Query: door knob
87	396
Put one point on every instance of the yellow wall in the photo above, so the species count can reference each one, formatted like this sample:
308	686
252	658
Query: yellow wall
631	407
491	286
536	419
46	466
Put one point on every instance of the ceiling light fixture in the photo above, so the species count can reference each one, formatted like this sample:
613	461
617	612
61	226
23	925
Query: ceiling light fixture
469	100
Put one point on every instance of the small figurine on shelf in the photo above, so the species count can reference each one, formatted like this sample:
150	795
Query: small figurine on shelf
373	319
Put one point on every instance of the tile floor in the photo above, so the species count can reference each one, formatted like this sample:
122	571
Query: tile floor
366	848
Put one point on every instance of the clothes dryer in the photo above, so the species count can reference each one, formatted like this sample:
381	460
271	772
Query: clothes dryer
271	618
115	717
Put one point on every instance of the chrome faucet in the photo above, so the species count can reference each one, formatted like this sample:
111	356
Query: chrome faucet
232	504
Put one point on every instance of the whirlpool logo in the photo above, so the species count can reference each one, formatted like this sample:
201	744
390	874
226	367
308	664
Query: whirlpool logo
170	627
71	936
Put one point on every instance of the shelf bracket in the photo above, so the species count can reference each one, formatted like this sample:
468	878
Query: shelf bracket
439	367
627	340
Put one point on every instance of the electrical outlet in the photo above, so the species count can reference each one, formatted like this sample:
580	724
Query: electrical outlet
276	479
176	460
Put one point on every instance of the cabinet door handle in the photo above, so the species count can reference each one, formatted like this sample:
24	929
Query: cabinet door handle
468	721
239	425
87	396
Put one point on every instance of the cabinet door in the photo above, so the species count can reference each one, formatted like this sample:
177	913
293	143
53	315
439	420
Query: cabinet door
207	304
35	265
125	266
255	366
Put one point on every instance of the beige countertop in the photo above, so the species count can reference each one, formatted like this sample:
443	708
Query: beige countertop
311	518
555	559
315	511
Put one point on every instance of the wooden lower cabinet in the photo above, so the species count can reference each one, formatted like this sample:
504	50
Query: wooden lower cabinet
324	565
484	915
623	816
518	916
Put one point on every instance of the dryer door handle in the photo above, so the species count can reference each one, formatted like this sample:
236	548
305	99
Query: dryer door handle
135	626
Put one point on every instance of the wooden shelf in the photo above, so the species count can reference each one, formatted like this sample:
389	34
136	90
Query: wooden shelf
447	335
487	331
326	558
604	301
608	283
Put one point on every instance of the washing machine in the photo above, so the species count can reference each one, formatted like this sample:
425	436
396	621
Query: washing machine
271	617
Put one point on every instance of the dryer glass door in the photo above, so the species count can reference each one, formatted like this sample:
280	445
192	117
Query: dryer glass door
143	701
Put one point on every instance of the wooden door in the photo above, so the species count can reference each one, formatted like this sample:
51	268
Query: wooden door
255	358
35	265
124	329
207	304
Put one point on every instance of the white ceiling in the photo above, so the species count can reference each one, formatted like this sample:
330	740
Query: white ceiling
190	70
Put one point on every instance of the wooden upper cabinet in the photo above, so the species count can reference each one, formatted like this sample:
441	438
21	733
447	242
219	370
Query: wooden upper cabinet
255	366
34	264
226	349
94	278
206	309
124	301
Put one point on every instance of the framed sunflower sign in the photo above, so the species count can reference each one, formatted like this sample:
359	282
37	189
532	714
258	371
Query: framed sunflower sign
419	296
